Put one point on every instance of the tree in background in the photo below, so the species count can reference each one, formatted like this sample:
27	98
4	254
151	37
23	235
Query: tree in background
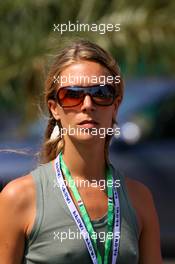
143	46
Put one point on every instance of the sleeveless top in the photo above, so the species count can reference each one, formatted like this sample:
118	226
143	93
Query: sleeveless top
55	237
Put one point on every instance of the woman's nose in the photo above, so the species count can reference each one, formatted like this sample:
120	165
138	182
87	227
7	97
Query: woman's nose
87	103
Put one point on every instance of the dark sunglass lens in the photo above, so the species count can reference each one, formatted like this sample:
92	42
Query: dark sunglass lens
69	96
104	95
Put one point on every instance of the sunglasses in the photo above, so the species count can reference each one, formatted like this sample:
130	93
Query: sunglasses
70	96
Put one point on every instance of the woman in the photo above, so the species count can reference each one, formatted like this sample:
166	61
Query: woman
59	213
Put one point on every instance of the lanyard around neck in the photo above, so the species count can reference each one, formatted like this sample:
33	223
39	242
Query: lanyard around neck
85	225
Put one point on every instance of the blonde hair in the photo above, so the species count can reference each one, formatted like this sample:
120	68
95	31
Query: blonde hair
76	51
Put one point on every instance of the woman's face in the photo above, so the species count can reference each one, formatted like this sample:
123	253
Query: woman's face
72	117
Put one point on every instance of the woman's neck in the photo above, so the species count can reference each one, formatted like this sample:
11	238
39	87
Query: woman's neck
85	161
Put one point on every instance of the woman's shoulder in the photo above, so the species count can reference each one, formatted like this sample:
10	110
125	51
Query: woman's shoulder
142	200
136	187
19	197
139	192
21	187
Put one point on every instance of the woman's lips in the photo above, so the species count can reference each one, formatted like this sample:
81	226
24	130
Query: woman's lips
88	124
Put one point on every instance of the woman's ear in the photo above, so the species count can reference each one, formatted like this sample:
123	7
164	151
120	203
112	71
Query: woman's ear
116	106
53	106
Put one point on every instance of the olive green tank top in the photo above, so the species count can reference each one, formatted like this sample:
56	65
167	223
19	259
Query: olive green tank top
55	237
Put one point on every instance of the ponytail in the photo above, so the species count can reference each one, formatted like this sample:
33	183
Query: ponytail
51	147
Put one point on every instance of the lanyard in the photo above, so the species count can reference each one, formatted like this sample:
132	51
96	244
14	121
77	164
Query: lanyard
85	225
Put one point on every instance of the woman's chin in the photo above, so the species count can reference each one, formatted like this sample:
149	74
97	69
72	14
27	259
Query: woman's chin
87	138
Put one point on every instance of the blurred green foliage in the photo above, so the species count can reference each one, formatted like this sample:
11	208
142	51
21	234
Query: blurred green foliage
144	45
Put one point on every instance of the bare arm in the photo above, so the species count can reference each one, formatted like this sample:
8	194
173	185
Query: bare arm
149	242
15	214
150	252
